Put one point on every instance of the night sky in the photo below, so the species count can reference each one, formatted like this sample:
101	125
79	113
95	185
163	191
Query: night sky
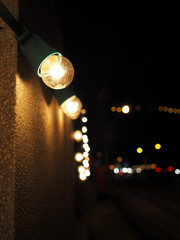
126	52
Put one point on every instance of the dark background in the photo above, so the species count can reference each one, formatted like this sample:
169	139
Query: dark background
126	53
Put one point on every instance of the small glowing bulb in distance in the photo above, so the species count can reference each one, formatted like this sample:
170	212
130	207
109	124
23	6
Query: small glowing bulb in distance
72	107
157	146
82	176
78	157
116	170
84	129
87	172
81	169
77	135
56	71
85	163
84	119
125	109
139	150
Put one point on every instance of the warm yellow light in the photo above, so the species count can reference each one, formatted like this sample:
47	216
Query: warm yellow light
157	146
82	176
113	108
85	154
84	129
111	166
85	139
84	119
85	163
119	109
57	72
125	109
78	157
153	165
87	172
83	111
170	110
139	150
160	108
119	159
77	135
81	169
72	107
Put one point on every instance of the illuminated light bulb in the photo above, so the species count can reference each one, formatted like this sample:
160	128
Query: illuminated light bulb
85	154
84	129
83	111
82	176
170	110
177	171
158	169
87	172
84	119
56	71
78	157
113	108
153	166
139	150
157	146
85	145
111	166
85	163
119	109
125	109
119	159
160	108
170	169
85	139
116	170
81	169
72	107
138	170
77	135
87	158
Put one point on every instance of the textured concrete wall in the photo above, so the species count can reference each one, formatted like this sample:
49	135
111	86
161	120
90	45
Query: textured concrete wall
36	150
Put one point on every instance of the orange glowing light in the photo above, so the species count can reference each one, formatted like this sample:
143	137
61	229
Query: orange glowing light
119	159
111	166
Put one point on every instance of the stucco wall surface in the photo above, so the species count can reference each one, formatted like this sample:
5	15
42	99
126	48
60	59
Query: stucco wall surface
8	63
36	149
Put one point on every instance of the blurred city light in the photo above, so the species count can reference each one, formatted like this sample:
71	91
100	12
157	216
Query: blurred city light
157	146
84	119
113	108
116	170
78	157
139	150
119	109
77	135
84	129
119	159
169	109
158	169
177	171
83	111
125	109
170	169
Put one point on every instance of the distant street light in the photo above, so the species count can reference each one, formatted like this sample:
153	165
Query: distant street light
55	70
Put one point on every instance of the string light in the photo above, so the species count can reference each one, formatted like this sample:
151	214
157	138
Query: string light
169	109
